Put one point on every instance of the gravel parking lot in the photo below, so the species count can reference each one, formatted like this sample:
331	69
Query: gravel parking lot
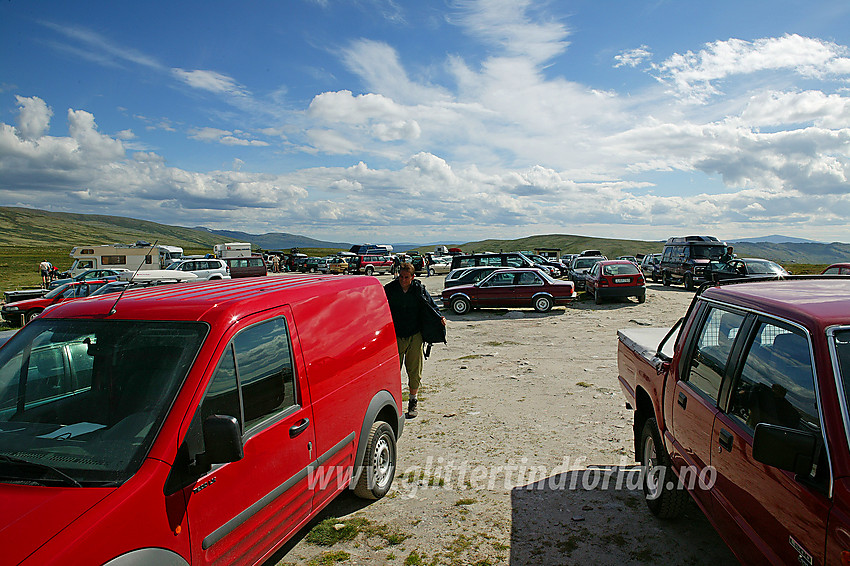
522	453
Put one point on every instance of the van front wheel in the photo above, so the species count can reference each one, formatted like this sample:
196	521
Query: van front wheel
378	463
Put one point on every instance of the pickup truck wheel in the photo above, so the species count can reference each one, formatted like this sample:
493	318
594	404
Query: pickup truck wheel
543	304
689	282
661	489
31	315
369	270
666	279
461	305
378	464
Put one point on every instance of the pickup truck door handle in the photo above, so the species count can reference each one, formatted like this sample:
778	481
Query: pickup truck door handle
297	429
726	439
683	400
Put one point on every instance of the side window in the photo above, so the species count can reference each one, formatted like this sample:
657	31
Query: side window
529	278
501	280
223	395
513	261
466	262
776	385
711	352
264	368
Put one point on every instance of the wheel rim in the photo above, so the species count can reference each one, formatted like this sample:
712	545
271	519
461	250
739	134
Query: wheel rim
459	306
542	304
383	462
651	467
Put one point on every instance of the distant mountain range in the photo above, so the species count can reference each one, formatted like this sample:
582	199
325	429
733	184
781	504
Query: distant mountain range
32	228
775	239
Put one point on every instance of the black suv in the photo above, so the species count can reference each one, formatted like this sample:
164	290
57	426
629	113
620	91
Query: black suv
685	259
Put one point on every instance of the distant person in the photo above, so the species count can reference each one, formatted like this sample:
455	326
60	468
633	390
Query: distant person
427	263
45	269
728	256
417	320
275	264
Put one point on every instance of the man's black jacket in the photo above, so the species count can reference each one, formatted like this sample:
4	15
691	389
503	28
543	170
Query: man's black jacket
432	329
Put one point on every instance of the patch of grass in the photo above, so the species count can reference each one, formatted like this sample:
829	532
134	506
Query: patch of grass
467	501
470	357
501	547
615	538
584	384
333	530
500	343
569	545
414	559
328	558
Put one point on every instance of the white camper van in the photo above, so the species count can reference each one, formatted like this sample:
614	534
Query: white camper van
141	255
231	250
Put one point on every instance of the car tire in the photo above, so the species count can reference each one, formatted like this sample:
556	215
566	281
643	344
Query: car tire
431	271
461	305
642	298
667	279
597	298
663	495
689	282
29	315
379	463
543	304
369	270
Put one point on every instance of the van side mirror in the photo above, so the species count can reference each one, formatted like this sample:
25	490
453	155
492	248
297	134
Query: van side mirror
222	440
785	448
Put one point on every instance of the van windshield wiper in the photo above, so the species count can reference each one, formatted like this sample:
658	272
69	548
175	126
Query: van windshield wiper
27	465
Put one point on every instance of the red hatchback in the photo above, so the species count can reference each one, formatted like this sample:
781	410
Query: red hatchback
511	288
616	278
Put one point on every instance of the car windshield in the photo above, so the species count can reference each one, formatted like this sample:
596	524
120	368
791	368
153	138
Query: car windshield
764	268
707	252
58	290
82	400
173	266
620	269
585	263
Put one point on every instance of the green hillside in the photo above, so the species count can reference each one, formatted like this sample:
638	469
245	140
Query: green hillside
27	227
567	244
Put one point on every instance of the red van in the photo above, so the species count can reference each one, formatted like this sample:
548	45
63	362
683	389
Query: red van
197	424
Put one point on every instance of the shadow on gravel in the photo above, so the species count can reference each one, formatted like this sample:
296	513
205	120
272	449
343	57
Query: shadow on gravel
598	516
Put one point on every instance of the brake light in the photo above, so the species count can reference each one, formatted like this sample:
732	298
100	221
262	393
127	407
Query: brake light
603	282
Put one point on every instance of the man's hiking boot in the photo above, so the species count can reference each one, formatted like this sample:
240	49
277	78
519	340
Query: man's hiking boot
412	408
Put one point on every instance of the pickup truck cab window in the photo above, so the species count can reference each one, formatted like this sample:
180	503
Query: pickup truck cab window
776	383
712	349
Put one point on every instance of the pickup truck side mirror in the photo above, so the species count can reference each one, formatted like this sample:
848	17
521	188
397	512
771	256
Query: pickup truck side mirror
785	448
222	439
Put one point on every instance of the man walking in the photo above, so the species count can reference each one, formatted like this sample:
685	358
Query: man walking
417	320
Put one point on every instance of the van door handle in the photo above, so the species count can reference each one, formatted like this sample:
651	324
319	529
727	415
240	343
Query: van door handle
726	440
683	400
297	429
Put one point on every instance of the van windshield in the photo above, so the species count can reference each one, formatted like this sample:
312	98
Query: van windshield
81	401
707	252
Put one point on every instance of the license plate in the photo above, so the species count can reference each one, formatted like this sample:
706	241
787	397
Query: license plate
623	280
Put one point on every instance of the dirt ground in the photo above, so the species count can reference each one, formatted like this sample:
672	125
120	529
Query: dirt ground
522	453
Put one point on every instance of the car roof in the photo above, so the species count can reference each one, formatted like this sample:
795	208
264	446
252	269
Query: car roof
816	301
210	301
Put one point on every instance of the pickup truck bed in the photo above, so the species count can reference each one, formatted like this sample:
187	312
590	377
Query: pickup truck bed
644	341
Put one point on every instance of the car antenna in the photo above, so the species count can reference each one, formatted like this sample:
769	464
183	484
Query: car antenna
121	294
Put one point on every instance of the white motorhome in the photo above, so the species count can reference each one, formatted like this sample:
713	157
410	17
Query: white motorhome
141	256
231	250
169	255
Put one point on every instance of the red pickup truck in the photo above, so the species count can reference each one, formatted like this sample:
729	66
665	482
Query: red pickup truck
745	405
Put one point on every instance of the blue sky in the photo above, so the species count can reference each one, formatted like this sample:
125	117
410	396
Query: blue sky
433	121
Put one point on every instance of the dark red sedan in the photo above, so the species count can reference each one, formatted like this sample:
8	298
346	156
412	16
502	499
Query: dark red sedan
24	311
524	287
616	278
